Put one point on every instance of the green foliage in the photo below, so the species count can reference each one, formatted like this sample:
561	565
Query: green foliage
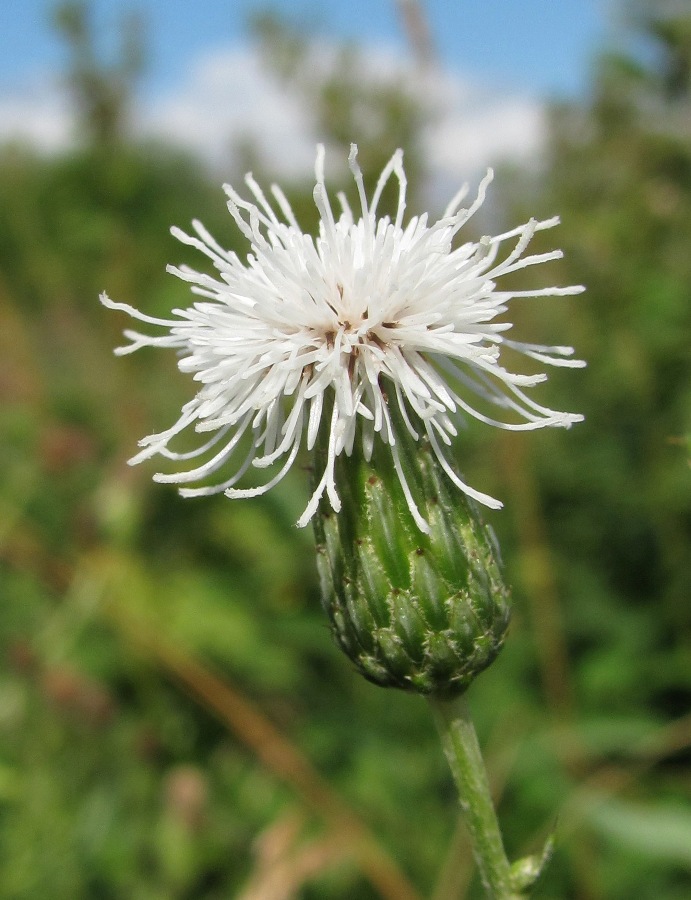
624	182
118	779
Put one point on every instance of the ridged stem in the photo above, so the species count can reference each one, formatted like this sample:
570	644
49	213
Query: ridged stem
465	759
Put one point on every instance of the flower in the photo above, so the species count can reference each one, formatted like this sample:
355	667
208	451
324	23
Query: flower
329	332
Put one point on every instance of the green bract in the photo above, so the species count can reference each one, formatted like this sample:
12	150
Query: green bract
421	612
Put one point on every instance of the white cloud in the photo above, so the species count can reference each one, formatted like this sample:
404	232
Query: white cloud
228	97
38	114
475	128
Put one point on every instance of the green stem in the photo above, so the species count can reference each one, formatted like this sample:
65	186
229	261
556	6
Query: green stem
465	759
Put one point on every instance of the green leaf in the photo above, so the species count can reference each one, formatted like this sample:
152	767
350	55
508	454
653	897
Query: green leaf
661	831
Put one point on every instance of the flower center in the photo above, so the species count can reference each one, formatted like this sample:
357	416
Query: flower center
349	329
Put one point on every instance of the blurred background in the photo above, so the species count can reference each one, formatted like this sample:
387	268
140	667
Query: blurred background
175	721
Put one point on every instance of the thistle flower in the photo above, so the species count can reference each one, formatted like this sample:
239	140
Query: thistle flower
375	326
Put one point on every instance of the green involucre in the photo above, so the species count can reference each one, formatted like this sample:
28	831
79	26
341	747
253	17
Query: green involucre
421	612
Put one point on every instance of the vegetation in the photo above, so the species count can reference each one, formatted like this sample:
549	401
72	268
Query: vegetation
174	719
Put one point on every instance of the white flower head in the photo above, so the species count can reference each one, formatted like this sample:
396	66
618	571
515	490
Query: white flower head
371	312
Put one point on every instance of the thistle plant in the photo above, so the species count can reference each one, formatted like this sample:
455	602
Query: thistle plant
364	345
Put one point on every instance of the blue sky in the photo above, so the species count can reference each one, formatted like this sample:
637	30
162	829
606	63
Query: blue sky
204	86
538	45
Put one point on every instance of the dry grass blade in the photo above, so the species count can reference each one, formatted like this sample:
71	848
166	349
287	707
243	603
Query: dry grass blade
285	861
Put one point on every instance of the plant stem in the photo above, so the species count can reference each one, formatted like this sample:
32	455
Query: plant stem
465	759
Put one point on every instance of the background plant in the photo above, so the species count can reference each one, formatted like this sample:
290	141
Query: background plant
146	643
